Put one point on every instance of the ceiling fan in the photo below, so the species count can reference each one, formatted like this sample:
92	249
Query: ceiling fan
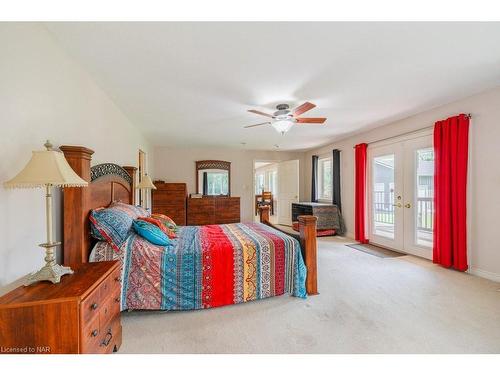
284	118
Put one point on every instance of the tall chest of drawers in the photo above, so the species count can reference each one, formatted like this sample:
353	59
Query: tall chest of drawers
81	314
170	199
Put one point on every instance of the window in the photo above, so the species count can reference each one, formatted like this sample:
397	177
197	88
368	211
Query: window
325	177
259	183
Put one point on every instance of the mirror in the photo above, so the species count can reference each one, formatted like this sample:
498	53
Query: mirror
213	177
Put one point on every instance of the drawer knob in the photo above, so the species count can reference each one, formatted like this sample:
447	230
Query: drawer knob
117	299
118	279
94	306
94	333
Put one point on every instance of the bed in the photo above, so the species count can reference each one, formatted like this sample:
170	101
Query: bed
205	267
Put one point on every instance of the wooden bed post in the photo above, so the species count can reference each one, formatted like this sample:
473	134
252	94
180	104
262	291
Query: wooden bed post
308	243
307	229
132	172
76	200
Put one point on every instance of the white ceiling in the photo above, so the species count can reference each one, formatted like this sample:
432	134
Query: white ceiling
191	84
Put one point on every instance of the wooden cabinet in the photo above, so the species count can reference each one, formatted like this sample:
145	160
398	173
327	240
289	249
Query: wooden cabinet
81	314
213	210
170	199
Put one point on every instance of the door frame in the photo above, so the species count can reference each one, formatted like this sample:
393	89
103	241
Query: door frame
389	142
252	196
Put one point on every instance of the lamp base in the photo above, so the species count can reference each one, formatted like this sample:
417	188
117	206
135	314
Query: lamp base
49	272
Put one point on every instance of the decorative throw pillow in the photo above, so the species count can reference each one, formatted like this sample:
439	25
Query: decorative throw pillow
130	209
151	233
168	222
111	224
169	232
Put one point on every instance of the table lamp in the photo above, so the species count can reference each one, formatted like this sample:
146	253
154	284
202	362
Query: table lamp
147	185
47	169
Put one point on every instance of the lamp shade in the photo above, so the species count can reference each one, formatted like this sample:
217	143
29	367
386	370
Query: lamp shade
282	126
146	183
46	168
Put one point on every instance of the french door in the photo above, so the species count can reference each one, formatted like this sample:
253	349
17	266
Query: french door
401	195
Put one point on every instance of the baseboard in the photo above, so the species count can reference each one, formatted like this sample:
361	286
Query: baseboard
484	274
349	235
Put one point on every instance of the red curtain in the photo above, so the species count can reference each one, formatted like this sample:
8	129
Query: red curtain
451	141
360	193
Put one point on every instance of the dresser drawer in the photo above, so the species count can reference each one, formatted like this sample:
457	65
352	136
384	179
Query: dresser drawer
116	279
110	309
90	336
90	305
111	336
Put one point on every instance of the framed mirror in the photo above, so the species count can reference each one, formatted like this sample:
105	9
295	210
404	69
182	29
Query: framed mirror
213	177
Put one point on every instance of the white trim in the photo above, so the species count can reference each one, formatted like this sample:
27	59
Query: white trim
484	274
401	138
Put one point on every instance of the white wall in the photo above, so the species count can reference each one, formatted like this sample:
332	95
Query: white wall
484	172
45	95
178	165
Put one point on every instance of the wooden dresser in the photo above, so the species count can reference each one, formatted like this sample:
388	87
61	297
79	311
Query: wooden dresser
81	314
170	199
213	210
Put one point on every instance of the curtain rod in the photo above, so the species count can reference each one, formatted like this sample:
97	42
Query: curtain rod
468	115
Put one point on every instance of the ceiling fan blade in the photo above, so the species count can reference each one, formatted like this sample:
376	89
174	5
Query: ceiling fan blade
303	108
311	120
260	113
251	126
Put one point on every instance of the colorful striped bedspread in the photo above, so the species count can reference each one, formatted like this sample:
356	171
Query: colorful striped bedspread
210	266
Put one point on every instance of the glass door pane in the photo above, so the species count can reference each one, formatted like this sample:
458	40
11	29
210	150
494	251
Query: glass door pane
424	197
383	196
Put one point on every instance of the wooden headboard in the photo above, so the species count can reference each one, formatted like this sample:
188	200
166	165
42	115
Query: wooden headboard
107	183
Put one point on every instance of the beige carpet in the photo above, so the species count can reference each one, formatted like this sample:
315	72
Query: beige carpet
367	305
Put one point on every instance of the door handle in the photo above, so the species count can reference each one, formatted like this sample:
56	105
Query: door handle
397	205
407	205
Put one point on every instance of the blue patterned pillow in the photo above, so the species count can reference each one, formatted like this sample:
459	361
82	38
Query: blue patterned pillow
151	233
130	209
112	224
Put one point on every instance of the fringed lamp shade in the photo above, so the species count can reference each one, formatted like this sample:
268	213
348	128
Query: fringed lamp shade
146	183
46	168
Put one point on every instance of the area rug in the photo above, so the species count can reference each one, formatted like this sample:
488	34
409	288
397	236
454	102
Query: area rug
376	250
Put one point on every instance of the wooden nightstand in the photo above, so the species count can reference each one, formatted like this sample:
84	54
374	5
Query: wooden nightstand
81	314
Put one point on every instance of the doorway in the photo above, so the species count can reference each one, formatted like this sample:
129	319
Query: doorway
401	195
278	183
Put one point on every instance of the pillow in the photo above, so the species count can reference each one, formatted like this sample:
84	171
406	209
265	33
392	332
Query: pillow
103	251
151	233
95	233
130	209
111	224
168	222
169	232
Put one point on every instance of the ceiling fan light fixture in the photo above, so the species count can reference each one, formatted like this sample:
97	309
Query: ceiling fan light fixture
282	126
